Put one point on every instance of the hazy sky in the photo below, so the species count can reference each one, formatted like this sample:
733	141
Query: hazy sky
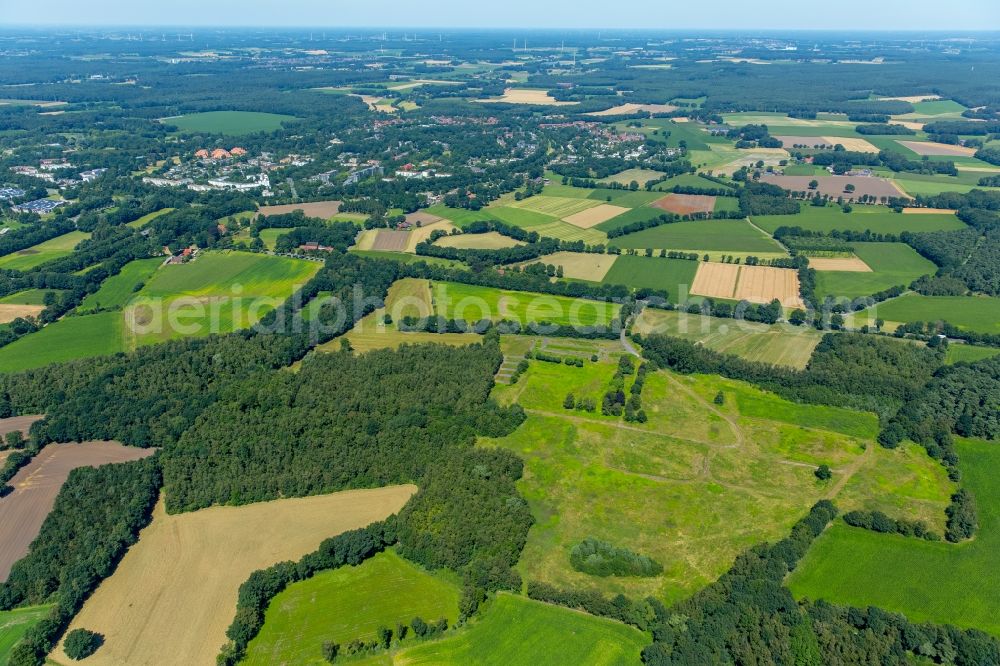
654	14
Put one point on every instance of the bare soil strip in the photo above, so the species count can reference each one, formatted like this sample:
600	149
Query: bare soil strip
388	240
934	148
36	486
682	204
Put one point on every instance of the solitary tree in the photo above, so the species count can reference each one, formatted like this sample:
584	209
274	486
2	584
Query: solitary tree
813	184
823	473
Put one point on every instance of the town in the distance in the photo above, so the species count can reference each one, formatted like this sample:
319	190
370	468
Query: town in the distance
495	347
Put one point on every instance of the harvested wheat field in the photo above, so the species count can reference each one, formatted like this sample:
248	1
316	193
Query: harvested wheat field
491	240
851	144
591	217
847	264
419	235
390	240
579	265
323	209
421	217
757	284
37	484
174	592
834	185
11	311
716	280
934	148
912	99
763	284
929	211
682	204
631	107
524	96
21	423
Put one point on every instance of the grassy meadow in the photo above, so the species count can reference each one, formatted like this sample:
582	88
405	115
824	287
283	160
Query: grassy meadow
347	603
891	263
974	313
515	631
700	236
117	290
67	339
779	344
926	581
877	219
15	623
233	123
216	293
55	248
694	486
653	273
473	303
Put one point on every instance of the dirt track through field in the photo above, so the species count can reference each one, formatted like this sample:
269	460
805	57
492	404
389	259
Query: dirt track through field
36	486
174	593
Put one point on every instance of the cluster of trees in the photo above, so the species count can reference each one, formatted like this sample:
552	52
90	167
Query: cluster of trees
962	516
846	369
747	616
766	199
884	129
386	419
991	155
753	136
642	614
844	160
600	558
97	515
879	522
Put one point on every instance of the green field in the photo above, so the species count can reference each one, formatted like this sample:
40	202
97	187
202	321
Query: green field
29	296
891	263
218	292
975	313
695	485
927	581
15	623
65	340
968	353
233	123
653	273
460	216
780	344
700	236
149	217
878	219
548	226
516	631
558	207
117	290
348	603
60	246
472	303
640	214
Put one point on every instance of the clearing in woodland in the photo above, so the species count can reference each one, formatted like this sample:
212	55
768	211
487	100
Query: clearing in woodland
174	593
694	486
514	631
349	603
